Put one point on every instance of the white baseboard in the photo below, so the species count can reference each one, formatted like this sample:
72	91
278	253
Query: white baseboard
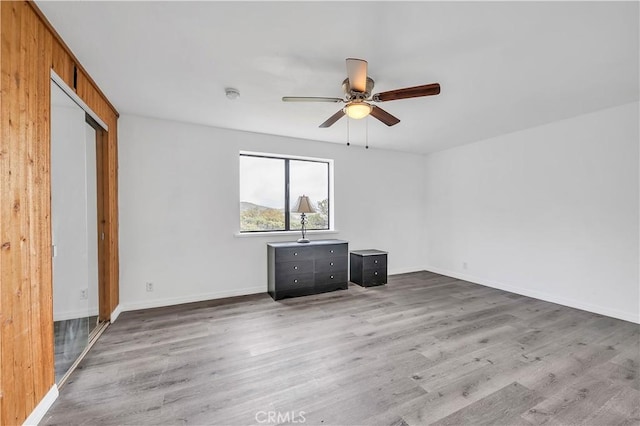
572	303
41	409
397	271
116	313
157	303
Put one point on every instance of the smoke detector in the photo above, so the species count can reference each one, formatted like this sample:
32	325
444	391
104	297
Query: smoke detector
232	93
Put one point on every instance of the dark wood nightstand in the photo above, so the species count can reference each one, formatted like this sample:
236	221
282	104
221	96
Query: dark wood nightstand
368	267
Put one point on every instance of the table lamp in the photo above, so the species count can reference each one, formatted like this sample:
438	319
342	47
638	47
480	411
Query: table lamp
303	206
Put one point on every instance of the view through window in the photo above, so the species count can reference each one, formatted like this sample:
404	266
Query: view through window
270	187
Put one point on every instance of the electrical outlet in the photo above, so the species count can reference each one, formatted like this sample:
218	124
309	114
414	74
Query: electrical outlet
149	286
464	265
84	294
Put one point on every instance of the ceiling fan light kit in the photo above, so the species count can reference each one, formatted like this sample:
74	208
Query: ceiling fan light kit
357	88
357	110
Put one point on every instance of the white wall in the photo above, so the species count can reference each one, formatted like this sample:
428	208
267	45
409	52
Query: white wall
550	212
179	209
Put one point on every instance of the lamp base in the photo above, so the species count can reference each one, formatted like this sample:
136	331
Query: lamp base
303	240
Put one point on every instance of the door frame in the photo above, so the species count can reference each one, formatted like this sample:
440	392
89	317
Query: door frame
102	181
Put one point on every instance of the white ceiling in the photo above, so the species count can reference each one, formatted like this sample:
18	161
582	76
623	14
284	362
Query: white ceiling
503	66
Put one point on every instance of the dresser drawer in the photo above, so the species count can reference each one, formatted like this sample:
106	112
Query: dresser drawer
295	267
293	281
289	254
328	278
328	251
374	262
331	264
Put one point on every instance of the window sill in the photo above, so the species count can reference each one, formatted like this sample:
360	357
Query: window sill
296	234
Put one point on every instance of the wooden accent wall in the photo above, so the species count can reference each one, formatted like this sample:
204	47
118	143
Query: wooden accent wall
29	49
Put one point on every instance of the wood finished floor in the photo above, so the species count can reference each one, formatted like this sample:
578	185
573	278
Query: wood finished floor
424	349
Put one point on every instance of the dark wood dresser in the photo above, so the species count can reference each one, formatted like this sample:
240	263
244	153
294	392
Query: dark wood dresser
369	267
300	269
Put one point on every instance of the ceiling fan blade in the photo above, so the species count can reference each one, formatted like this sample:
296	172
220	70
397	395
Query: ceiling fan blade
357	73
335	117
384	116
310	99
408	92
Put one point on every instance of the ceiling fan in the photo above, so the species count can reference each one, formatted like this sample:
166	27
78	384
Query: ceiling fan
357	88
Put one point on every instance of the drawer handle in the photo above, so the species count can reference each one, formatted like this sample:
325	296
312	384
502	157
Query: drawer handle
375	273
295	267
375	261
295	281
331	263
330	251
331	276
295	254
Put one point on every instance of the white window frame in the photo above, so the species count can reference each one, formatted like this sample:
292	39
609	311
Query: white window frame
332	221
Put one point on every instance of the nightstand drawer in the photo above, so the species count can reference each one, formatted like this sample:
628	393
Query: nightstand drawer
374	277
296	267
374	262
331	265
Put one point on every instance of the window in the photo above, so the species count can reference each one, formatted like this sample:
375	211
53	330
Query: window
269	189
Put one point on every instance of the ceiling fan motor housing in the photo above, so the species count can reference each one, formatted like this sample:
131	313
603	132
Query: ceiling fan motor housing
354	95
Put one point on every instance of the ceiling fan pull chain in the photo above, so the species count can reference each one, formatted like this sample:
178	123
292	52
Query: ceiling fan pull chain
366	132
348	137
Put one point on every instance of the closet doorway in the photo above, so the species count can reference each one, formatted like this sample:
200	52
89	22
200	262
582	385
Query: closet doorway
77	234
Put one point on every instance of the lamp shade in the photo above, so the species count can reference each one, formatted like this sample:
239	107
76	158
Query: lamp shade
303	205
357	110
